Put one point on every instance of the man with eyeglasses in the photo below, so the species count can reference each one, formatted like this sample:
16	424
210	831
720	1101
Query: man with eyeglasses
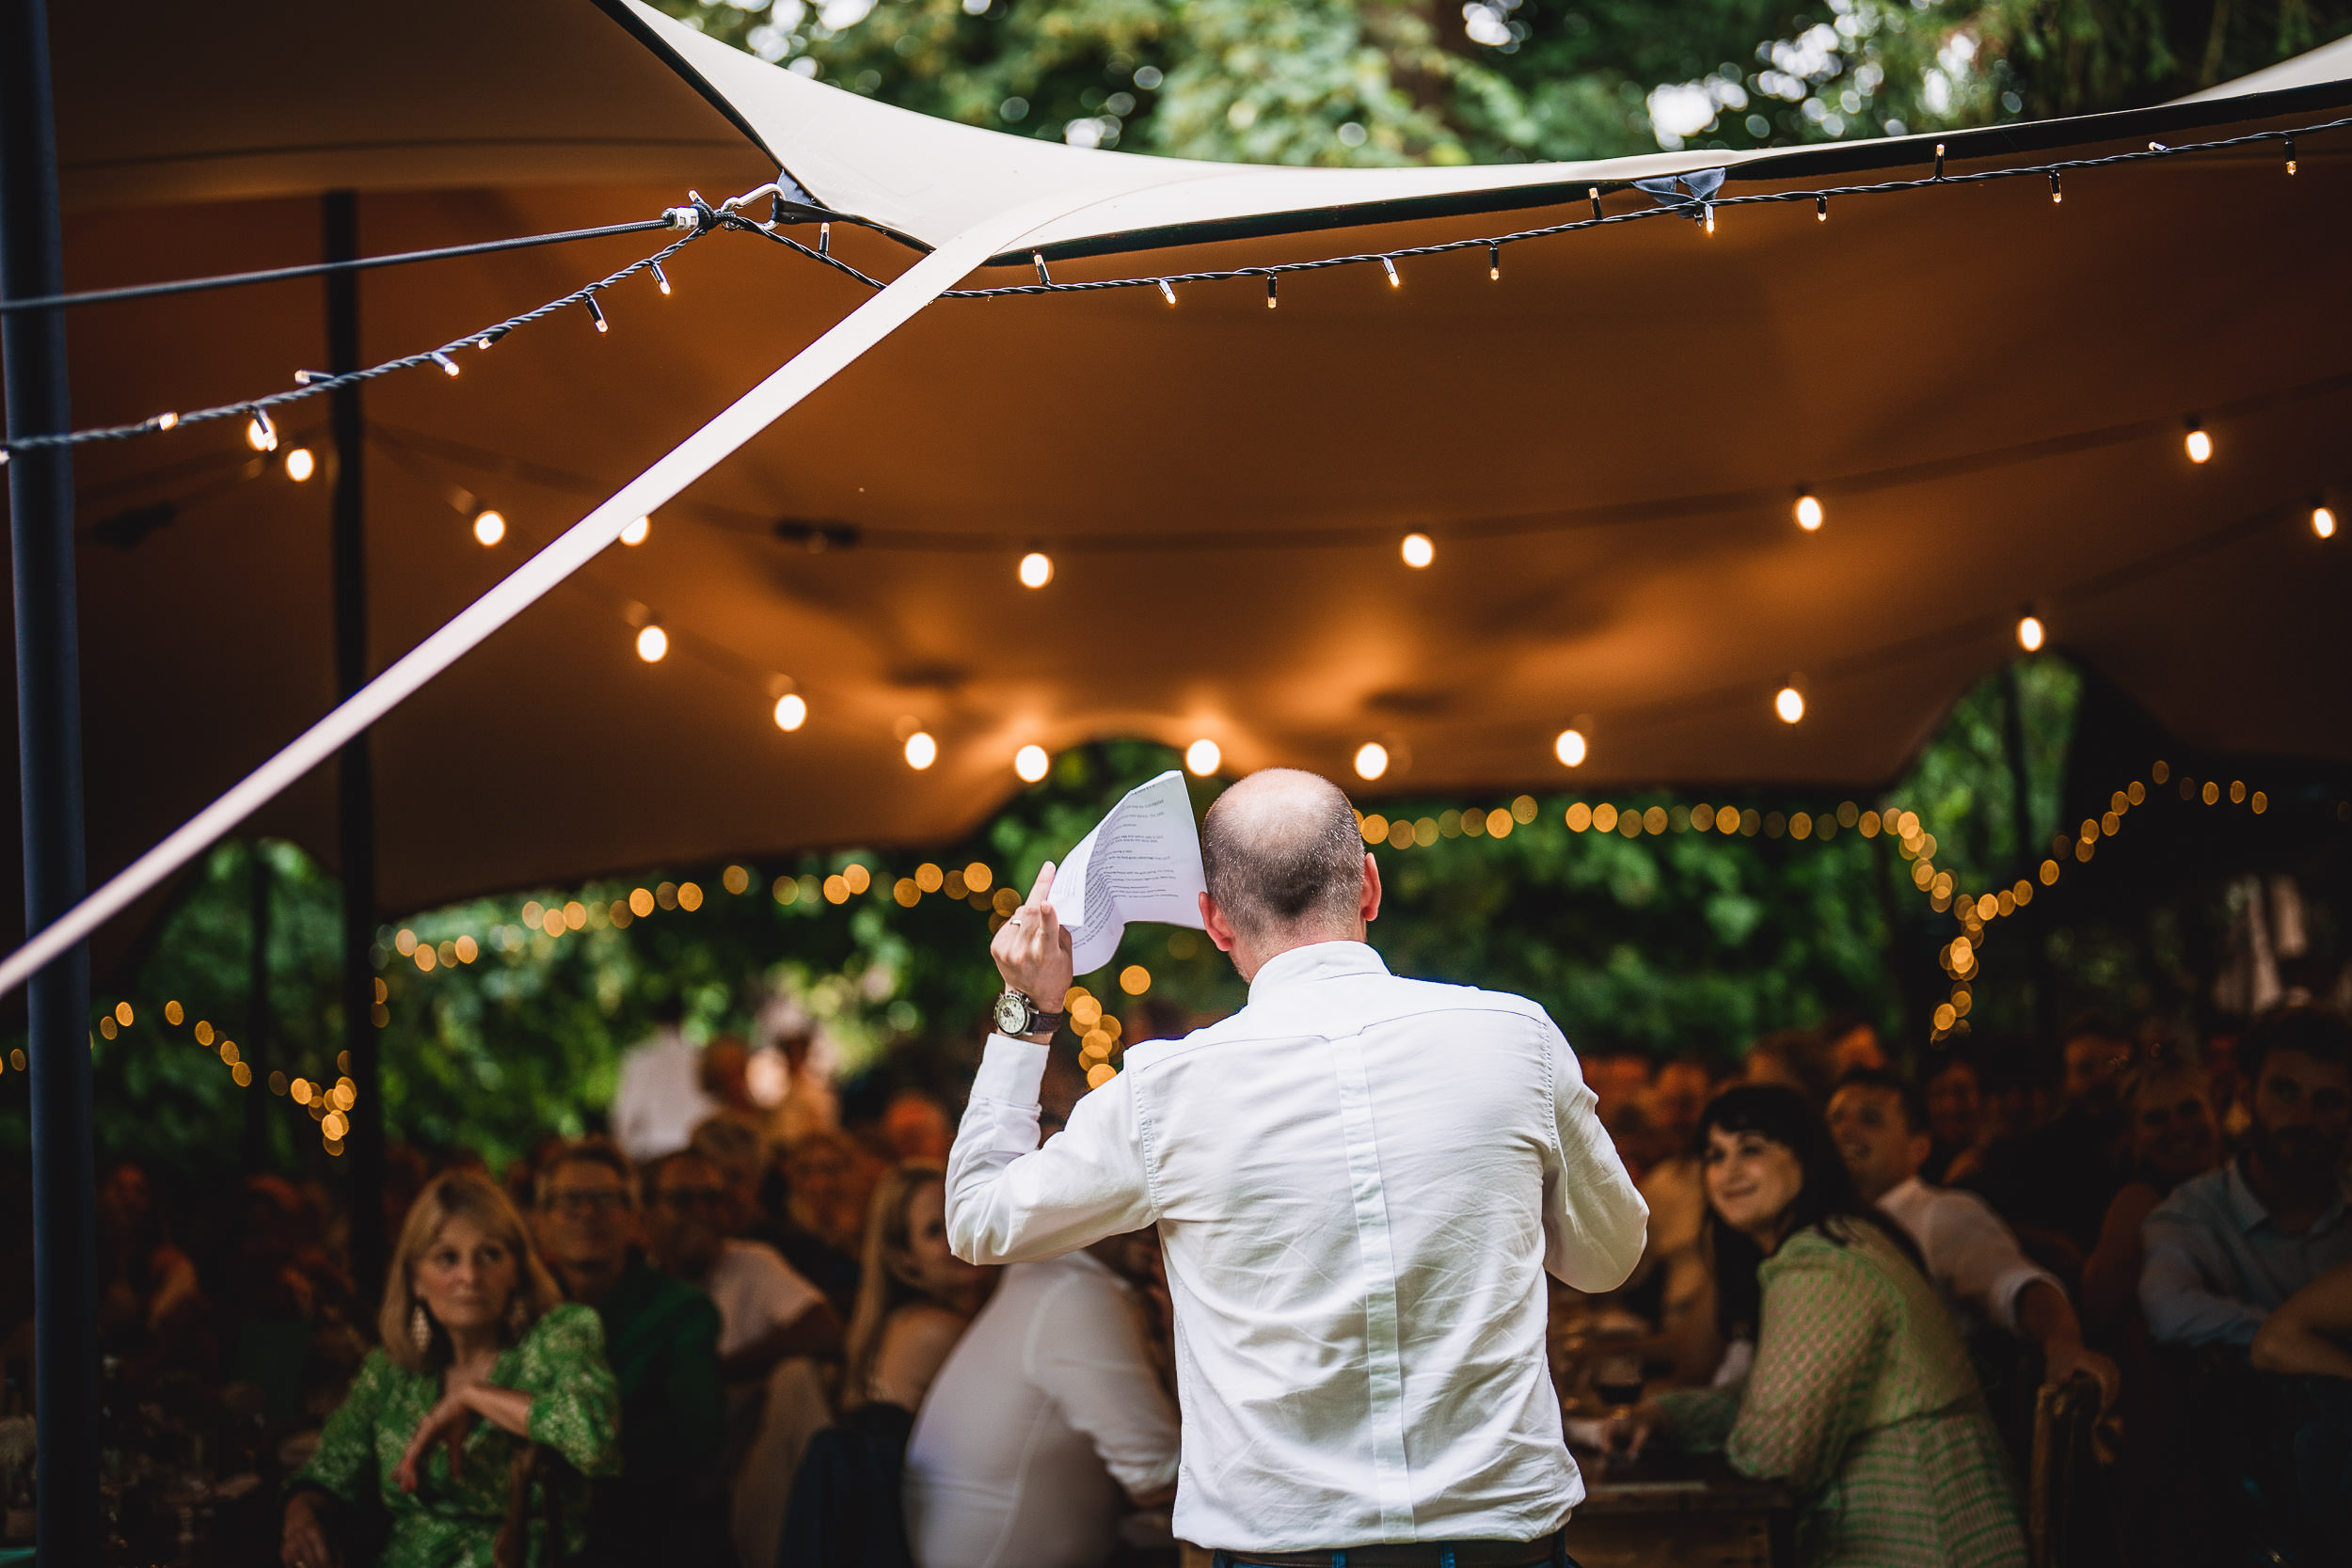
772	1321
662	1338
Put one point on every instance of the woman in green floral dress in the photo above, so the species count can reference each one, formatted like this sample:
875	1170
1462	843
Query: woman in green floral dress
483	1366
1861	1396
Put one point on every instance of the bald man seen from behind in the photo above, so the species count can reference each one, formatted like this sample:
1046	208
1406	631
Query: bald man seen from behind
1359	1181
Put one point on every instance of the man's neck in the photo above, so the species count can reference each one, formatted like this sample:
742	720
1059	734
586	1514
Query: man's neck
1253	954
1877	1193
2294	1201
590	1282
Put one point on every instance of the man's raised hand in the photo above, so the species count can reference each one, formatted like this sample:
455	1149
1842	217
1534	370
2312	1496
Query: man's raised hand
1032	949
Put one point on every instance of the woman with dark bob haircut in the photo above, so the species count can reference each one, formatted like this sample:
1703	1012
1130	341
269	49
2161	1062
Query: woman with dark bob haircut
1860	1397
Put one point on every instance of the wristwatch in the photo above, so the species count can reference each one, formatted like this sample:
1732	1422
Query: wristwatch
1017	1015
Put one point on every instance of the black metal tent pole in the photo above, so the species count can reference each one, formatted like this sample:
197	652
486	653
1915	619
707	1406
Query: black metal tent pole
49	780
363	1144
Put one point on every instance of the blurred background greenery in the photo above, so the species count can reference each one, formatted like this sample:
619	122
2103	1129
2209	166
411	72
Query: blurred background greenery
1675	941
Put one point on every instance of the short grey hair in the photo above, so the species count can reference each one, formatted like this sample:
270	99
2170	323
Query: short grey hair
1282	848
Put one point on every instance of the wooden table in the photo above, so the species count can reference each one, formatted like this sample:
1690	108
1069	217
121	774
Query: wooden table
1662	1513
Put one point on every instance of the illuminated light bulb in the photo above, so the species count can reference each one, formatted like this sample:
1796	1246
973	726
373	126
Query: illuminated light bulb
1710	217
1939	160
1036	569
2323	521
1168	293
300	464
2199	444
1372	760
1203	757
1569	748
2057	191
1810	513
164	422
652	643
792	712
1593	192
634	533
1417	550
1031	763
824	239
2030	633
2290	154
1270	300
922	750
1042	276
1389	267
597	311
1790	705
489	527
1821	208
660	278
1494	263
449	366
260	434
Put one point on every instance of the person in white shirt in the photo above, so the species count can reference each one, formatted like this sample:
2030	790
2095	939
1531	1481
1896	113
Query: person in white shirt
772	1321
1045	1425
1359	1181
660	1099
1880	1125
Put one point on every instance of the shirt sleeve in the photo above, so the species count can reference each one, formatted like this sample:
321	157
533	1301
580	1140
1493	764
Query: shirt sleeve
1011	1201
344	1463
1980	1259
2178	1294
1085	1350
1817	1361
783	1294
574	1401
1595	1220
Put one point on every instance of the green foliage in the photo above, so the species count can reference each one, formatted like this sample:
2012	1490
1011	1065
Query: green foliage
1494	81
1671	942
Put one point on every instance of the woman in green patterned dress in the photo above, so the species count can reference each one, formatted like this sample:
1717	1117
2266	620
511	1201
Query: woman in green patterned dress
1861	1396
485	1378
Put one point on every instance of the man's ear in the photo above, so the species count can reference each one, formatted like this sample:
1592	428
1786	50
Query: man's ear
1371	907
1214	922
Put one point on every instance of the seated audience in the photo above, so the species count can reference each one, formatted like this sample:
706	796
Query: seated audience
1880	1128
668	1502
1797	1059
1045	1425
2053	1183
1860	1397
474	1330
828	1182
2229	1246
770	1323
148	1297
2310	1333
914	1297
1851	1041
1955	1102
2171	1134
1678	1204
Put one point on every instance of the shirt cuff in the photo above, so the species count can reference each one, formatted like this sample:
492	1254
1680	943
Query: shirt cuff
2005	1295
1010	1071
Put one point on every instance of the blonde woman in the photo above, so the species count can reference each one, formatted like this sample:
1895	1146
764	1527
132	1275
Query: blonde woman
482	1363
914	1297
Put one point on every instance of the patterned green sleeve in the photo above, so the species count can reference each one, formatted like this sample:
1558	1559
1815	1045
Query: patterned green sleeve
575	1404
1699	1420
344	1463
1826	1326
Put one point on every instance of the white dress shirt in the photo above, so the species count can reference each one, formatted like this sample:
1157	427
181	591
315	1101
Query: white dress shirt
661	1101
1971	1257
1044	1412
1359	1181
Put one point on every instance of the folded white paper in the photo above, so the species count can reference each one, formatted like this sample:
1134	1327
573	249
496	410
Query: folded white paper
1142	862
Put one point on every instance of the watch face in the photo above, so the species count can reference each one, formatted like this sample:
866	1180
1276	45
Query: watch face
1013	1014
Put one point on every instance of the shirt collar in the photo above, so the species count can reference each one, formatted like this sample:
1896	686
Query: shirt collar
1909	1189
2246	1211
1319	960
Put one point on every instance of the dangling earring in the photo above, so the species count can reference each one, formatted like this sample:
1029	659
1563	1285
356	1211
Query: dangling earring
518	1315
421	1329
